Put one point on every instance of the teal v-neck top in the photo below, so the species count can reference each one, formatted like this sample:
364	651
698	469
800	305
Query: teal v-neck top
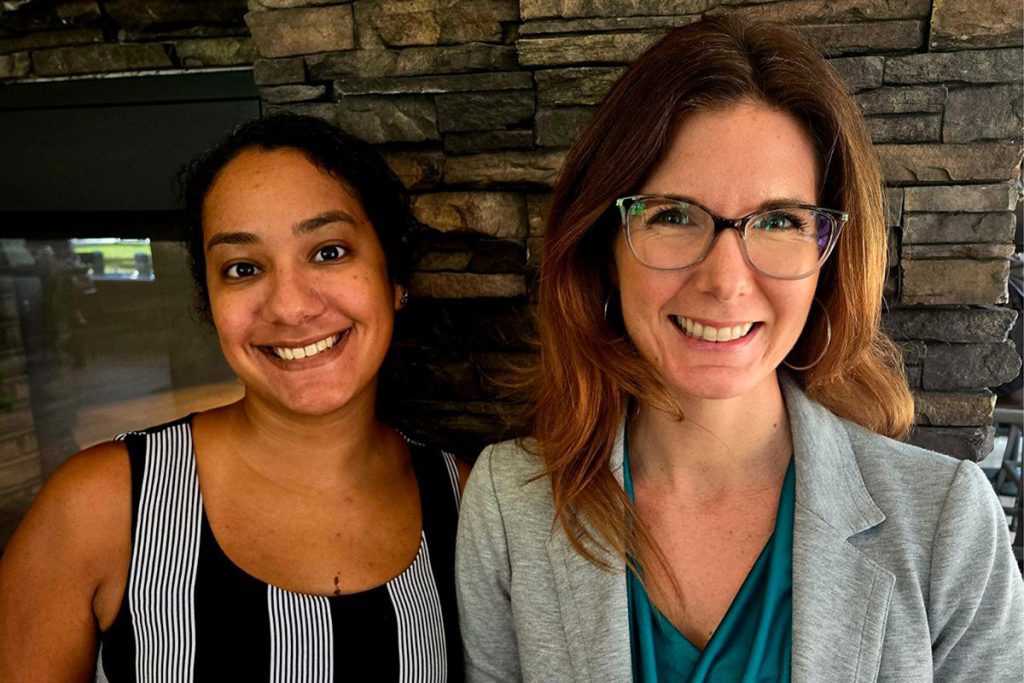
754	640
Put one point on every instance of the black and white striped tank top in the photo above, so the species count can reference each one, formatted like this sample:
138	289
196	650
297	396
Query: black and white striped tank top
190	614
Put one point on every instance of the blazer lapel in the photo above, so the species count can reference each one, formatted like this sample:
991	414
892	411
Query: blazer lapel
840	597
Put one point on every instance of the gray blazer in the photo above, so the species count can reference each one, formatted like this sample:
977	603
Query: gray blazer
902	569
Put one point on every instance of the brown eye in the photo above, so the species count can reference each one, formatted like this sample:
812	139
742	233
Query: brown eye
331	252
237	271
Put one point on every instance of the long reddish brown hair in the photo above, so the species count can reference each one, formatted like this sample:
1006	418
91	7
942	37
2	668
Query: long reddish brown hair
589	371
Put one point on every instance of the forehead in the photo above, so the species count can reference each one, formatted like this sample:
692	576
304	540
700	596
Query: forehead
734	158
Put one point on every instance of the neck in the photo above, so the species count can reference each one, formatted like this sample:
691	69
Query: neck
718	441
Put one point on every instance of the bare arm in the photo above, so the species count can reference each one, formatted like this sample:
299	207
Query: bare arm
62	574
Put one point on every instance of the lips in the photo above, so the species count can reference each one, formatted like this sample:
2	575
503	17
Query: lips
302	351
696	330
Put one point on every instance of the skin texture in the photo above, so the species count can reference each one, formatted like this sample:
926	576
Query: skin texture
303	487
708	486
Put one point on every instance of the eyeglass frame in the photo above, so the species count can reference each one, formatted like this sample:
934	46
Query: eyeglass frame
740	224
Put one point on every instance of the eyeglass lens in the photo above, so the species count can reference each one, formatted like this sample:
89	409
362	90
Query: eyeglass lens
669	234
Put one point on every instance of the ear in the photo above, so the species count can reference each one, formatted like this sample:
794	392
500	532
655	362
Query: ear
401	296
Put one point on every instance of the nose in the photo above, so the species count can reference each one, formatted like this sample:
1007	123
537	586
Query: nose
293	298
724	273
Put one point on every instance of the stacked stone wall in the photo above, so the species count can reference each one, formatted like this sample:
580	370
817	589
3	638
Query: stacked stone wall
474	103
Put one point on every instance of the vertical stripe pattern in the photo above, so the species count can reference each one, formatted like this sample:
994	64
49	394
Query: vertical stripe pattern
421	637
301	638
163	568
453	474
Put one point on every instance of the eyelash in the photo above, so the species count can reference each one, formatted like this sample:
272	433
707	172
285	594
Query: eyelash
231	271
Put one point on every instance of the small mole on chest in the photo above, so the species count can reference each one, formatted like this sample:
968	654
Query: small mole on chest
337	585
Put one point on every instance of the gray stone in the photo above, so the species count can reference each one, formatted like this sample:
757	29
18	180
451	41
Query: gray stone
859	73
460	112
483	170
963	325
79	12
467	285
582	85
215	52
958	409
421	85
534	251
537	207
951	367
875	36
321	110
960	198
292	93
913	352
44	39
255	5
560	127
279	71
147	15
302	31
64	61
963	443
893	204
984	113
569	9
949	163
435	22
830	11
376	119
930	228
599	48
976	23
187	33
596	25
14	65
417	169
413	61
498	256
487	141
978	252
971	66
435	261
497	214
905	128
913	100
954	281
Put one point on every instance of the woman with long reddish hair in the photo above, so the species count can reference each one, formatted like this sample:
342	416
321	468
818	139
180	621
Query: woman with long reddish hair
714	490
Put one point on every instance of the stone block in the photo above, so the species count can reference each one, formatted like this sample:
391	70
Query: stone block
987	113
467	324
949	163
859	73
962	443
215	52
581	85
875	36
65	61
321	110
598	24
279	71
434	22
953	367
15	65
459	112
487	141
79	12
926	128
534	251
422	85
44	39
20	472
497	214
302	31
960	198
977	23
599	48
911	100
913	352
498	256
893	205
571	9
148	15
962	325
830	11
467	285
956	409
560	127
389	119
931	228
417	169
969	66
977	252
537	207
435	261
292	93
16	421
255	5
483	170
954	281
412	61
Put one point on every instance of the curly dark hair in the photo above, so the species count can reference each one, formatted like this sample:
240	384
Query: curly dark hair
343	156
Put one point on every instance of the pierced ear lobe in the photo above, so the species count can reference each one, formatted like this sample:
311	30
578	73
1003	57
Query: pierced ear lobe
401	297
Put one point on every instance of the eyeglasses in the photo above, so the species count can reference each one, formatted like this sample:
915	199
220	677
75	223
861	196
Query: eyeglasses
786	242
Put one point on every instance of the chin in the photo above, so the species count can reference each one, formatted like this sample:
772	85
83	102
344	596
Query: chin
715	384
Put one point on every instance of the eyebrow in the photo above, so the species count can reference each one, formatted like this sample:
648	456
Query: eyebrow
301	228
766	205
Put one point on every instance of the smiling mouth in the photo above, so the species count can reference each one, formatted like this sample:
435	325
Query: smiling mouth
288	353
696	330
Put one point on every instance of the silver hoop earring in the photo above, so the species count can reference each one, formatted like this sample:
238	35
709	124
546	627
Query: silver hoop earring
405	298
828	340
607	300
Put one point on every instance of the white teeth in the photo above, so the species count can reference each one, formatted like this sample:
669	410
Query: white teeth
300	352
695	329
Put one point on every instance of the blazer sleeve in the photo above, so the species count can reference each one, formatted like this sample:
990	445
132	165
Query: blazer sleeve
976	594
482	579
